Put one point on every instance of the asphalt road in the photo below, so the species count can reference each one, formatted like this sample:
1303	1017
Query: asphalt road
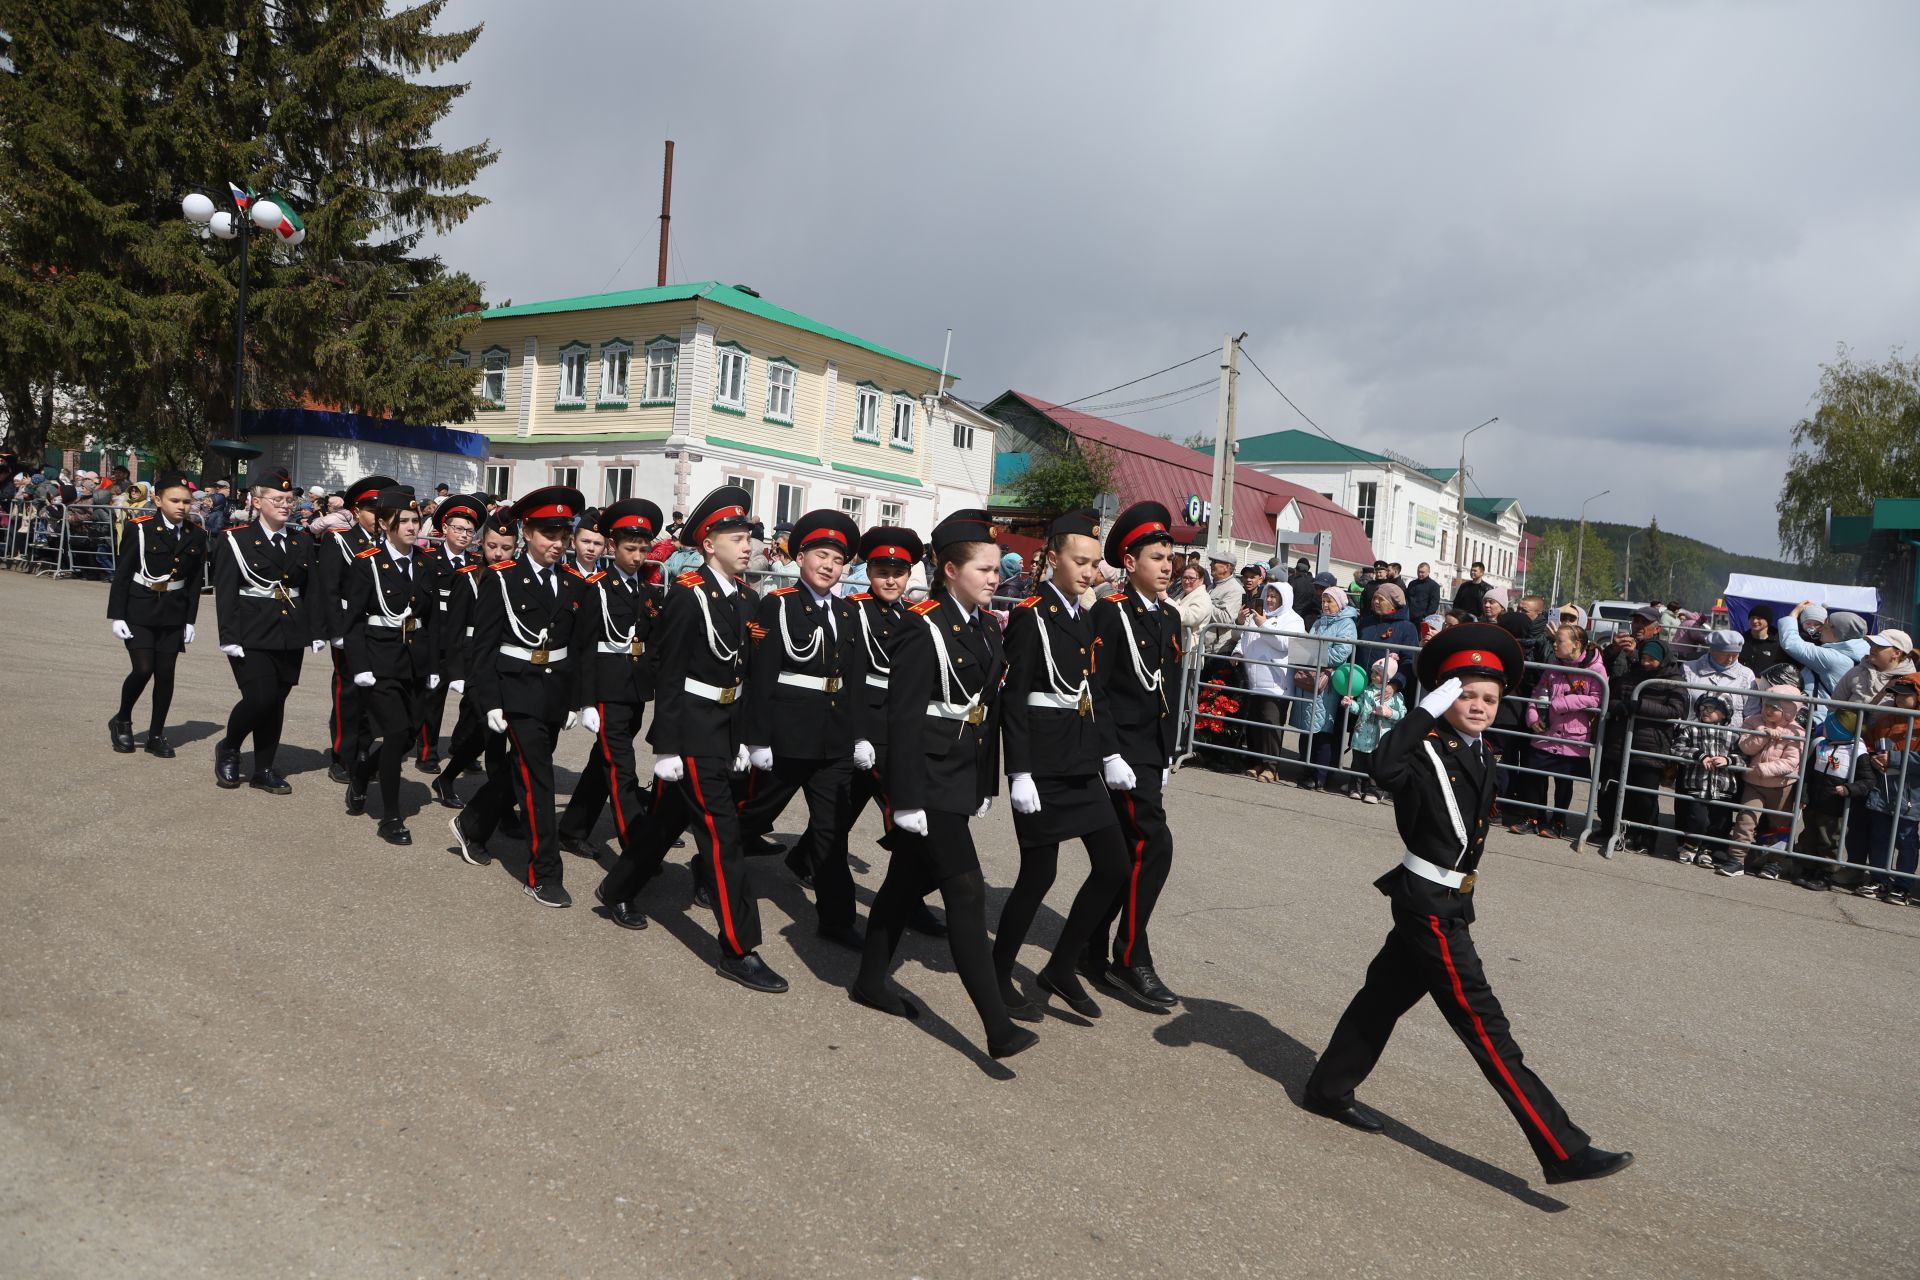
240	1036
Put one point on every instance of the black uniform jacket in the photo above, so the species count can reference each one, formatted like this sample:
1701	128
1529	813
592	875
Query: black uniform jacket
515	611
1404	764
376	591
798	722
701	636
264	598
1060	742
1136	678
615	627
453	630
333	559
176	556
881	624
936	762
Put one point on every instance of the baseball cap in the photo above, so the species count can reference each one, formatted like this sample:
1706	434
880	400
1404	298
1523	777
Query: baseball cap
1892	638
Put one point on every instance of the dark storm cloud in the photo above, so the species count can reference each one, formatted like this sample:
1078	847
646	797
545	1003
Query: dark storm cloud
1633	232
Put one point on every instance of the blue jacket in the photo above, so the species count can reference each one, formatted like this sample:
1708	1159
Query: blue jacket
1821	665
1388	628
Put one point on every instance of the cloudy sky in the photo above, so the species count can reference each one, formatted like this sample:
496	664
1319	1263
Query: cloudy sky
1631	231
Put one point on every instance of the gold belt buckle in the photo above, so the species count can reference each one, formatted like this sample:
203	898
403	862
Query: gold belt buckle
409	626
1086	702
977	714
1466	881
538	657
637	649
833	684
280	593
727	695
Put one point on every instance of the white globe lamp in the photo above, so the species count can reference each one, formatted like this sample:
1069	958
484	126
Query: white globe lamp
197	208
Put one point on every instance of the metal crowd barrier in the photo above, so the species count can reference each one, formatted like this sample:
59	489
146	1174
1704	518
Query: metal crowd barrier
1900	789
1201	708
62	540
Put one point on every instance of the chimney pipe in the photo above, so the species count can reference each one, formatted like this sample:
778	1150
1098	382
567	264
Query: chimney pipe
666	211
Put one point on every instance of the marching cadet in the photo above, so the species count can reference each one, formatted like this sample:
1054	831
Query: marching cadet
613	679
345	716
457	520
1135	673
1443	782
153	603
390	611
701	658
806	681
519	678
472	739
268	618
943	709
1055	768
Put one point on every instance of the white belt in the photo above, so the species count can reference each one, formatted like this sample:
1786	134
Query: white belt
973	714
819	684
622	650
878	682
1080	702
712	692
270	593
406	625
538	657
158	585
469	633
1439	875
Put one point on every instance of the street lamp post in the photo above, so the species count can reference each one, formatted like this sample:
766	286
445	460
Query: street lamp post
1580	547
1460	534
1626	567
251	215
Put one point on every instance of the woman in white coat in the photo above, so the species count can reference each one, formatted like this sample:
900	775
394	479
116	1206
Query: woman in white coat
1263	657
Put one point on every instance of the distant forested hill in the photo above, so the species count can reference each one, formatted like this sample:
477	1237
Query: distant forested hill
1664	565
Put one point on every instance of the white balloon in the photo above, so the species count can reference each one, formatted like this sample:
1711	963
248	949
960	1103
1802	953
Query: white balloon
266	214
197	208
221	224
299	234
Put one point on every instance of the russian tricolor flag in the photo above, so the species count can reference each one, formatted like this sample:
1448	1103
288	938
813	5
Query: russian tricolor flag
240	197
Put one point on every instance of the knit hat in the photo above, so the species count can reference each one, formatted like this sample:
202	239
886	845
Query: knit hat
1496	595
1393	593
1010	564
1814	613
1724	641
1713	700
1657	650
1847	626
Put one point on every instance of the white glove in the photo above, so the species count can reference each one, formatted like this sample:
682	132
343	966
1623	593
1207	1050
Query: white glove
590	719
985	805
364	679
338	644
760	757
1436	703
458	686
573	718
433	682
863	756
1025	798
121	631
1118	773
233	651
497	720
189	635
742	761
1166	776
914	820
319	646
669	768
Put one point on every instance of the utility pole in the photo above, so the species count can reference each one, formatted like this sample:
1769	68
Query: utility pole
1461	561
1626	567
1220	518
1554	592
666	212
1580	548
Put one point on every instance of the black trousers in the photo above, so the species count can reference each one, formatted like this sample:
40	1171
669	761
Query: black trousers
828	787
346	718
1143	823
470	741
432	713
1431	956
265	677
610	773
1039	863
393	709
701	802
529	772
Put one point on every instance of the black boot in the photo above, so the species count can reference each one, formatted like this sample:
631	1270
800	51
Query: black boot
226	766
120	733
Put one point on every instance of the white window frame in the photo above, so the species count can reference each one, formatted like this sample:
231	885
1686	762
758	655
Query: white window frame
1366	504
562	475
789	502
498	479
866	413
902	402
962	434
663	371
730	394
616	373
854	508
493	364
459	360
616	492
749	484
890	513
572	369
783	379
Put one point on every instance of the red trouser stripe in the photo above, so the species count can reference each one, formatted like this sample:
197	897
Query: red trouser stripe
423	741
1486	1041
886	804
1133	880
339	721
533	824
613	774
713	842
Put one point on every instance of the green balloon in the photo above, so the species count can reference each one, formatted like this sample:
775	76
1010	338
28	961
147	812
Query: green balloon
1348	679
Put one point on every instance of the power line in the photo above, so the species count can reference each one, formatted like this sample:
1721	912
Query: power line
1358	455
1177	391
1198	395
1156	373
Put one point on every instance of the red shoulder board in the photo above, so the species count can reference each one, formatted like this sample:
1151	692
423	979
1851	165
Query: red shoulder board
925	607
364	552
783	591
140	519
423	550
1028	603
471	568
575	572
500	566
1118	597
596	577
861	595
691	578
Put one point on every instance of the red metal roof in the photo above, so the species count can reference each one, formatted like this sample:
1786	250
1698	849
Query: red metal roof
1150	467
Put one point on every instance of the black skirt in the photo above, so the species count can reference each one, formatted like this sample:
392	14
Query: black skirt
158	639
1069	808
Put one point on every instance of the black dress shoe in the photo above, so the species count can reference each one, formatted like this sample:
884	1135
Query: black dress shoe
270	782
751	972
1588	1165
1140	987
1069	990
1025	1010
1353	1115
120	733
922	920
226	766
624	914
430	765
850	936
394	831
888	1002
1019	1042
549	895
356	802
472	851
442	789
580	846
157	745
337	772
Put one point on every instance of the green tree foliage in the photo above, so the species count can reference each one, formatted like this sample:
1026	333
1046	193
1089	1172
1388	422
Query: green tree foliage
1665	565
1067	480
114	309
1862	442
1597	564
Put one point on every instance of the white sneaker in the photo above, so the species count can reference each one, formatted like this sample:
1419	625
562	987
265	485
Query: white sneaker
1370	798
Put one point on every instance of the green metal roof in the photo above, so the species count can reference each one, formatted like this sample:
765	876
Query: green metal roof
725	295
1298	446
1489	508
1442	474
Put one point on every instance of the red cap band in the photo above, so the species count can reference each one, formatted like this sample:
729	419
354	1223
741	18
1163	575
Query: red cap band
1470	658
833	535
362	496
558	511
724	513
890	553
1152	526
631	521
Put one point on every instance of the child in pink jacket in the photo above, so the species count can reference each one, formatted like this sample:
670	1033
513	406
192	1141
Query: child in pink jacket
1771	742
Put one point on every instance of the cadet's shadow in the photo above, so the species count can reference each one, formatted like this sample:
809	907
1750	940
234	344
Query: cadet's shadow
1279	1057
292	761
828	961
182	735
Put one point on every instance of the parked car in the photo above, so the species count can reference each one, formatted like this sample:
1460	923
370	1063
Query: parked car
1605	616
